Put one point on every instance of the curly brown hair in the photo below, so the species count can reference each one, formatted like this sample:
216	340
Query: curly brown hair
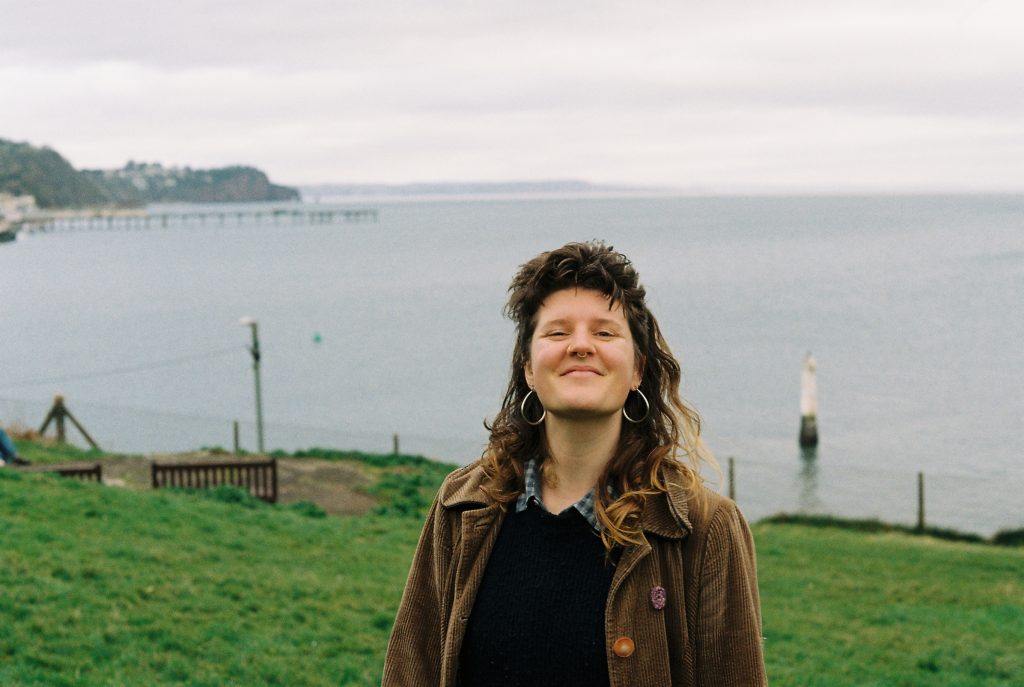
669	434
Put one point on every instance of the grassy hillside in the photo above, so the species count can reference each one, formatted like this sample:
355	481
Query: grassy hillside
103	586
44	451
847	608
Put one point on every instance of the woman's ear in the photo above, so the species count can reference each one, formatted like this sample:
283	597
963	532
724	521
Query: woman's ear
638	371
528	373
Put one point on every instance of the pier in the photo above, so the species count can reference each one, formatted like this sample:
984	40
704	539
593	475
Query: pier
120	220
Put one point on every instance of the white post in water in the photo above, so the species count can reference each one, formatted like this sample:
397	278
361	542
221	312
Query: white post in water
809	402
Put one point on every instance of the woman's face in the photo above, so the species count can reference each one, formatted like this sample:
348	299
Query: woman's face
582	362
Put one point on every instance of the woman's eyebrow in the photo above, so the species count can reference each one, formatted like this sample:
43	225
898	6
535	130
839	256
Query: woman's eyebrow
562	321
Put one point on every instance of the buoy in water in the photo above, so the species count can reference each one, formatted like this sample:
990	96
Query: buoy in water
317	338
809	402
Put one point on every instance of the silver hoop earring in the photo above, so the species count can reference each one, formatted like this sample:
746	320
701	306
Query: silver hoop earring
647	410
522	410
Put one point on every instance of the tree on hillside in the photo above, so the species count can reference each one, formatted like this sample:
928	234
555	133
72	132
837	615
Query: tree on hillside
44	174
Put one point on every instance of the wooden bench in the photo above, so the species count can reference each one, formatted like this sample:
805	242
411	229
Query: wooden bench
258	477
90	474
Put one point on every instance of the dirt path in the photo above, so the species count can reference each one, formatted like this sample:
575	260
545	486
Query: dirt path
327	483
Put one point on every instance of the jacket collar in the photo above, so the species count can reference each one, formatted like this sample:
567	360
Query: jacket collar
668	515
665	515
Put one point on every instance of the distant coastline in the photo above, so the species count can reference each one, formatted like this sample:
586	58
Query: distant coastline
42	178
559	188
330	193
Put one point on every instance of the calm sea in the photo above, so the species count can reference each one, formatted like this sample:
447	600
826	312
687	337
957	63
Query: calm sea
911	305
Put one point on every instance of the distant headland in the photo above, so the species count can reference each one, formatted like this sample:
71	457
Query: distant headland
45	175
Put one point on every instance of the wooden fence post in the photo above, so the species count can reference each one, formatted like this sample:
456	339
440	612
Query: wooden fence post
920	502
56	415
394	444
732	478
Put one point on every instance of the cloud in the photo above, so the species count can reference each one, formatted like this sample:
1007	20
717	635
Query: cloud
734	94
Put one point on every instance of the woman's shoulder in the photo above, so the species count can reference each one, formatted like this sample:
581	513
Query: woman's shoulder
464	486
697	506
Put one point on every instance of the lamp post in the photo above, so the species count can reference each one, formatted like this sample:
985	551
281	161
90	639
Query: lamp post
255	350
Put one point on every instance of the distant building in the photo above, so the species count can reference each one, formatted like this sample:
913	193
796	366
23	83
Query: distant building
14	208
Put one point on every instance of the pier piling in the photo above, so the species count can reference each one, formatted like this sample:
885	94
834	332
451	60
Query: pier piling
809	402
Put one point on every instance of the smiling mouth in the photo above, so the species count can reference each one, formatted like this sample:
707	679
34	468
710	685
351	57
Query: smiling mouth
580	372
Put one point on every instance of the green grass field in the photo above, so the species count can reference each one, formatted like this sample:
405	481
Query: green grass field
104	586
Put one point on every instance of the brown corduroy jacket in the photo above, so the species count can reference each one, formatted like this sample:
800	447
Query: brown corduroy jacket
708	633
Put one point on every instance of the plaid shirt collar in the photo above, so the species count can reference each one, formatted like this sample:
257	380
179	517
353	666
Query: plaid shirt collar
531	493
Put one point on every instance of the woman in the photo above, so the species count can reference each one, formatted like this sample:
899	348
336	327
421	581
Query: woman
583	548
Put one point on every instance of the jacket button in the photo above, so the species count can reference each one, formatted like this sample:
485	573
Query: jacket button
623	647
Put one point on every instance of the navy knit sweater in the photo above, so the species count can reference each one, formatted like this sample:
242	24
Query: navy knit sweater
538	618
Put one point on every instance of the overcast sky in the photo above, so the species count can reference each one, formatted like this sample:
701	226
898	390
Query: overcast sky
726	96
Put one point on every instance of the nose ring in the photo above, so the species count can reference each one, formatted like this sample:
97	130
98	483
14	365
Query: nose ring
578	354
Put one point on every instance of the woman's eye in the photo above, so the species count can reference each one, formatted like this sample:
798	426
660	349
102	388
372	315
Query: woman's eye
605	333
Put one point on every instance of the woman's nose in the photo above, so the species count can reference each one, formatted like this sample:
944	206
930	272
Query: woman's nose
580	343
